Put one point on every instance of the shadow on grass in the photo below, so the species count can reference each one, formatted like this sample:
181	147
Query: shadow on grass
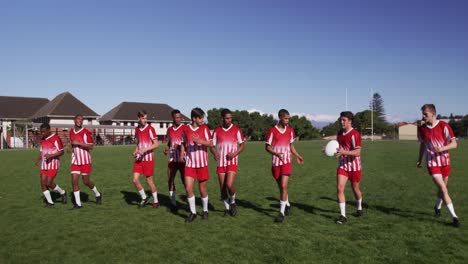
306	208
386	210
249	205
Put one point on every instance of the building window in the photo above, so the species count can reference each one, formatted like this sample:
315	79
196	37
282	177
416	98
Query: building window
161	125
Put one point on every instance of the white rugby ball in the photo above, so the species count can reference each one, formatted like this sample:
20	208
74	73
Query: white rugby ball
331	147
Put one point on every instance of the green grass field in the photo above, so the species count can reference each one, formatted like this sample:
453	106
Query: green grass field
398	226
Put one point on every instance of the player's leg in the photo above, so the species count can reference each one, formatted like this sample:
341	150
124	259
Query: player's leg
87	181
231	191
189	181
141	191
56	187
171	172
154	192
358	197
440	200
223	191
46	191
441	185
204	197
76	190
340	197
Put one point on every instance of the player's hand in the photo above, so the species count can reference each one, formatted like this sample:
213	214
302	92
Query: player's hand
196	138
230	155
438	149
182	157
166	150
299	160
279	155
36	162
69	148
141	151
74	142
216	156
418	164
340	152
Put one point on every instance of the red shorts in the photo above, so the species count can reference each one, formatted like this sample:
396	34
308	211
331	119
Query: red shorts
144	167
282	170
176	166
444	171
201	174
353	176
49	173
223	170
84	169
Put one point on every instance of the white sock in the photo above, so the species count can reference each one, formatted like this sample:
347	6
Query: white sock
233	198
155	197
359	204
96	191
48	197
142	194
343	209
77	198
452	210
205	203
191	202
226	203
282	206
439	203
58	189
287	201
172	194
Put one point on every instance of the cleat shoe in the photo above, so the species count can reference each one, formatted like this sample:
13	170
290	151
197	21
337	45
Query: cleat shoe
77	207
359	213
456	222
436	212
155	205
48	205
341	220
287	210
64	198
279	218
233	210
99	199
144	202
204	215
190	218
226	213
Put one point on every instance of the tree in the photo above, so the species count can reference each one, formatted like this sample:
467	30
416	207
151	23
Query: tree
377	106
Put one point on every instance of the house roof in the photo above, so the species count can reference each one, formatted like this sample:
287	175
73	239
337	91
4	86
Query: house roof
12	107
65	105
127	111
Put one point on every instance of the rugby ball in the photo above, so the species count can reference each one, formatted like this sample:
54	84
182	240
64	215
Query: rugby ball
331	147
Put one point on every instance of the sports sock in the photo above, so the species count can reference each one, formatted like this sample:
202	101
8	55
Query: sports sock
226	203
191	202
287	201
142	194
343	209
96	191
439	203
48	197
205	203
233	198
359	204
452	210
77	198
58	189
282	206
155	197
172	194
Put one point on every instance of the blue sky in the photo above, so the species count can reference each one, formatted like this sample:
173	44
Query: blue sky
263	55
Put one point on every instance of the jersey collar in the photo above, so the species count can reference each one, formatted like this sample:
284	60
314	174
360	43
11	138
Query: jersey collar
141	129
76	132
226	129
433	125
282	132
345	133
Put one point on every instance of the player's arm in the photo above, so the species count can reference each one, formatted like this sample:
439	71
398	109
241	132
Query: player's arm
207	143
155	145
168	146
214	152
87	146
270	150
54	155
299	158
421	154
451	145
355	152
232	155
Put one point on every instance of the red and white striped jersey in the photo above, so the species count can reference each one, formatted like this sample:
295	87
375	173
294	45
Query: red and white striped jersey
145	137
280	141
80	155
174	135
437	135
196	156
350	140
51	145
226	141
